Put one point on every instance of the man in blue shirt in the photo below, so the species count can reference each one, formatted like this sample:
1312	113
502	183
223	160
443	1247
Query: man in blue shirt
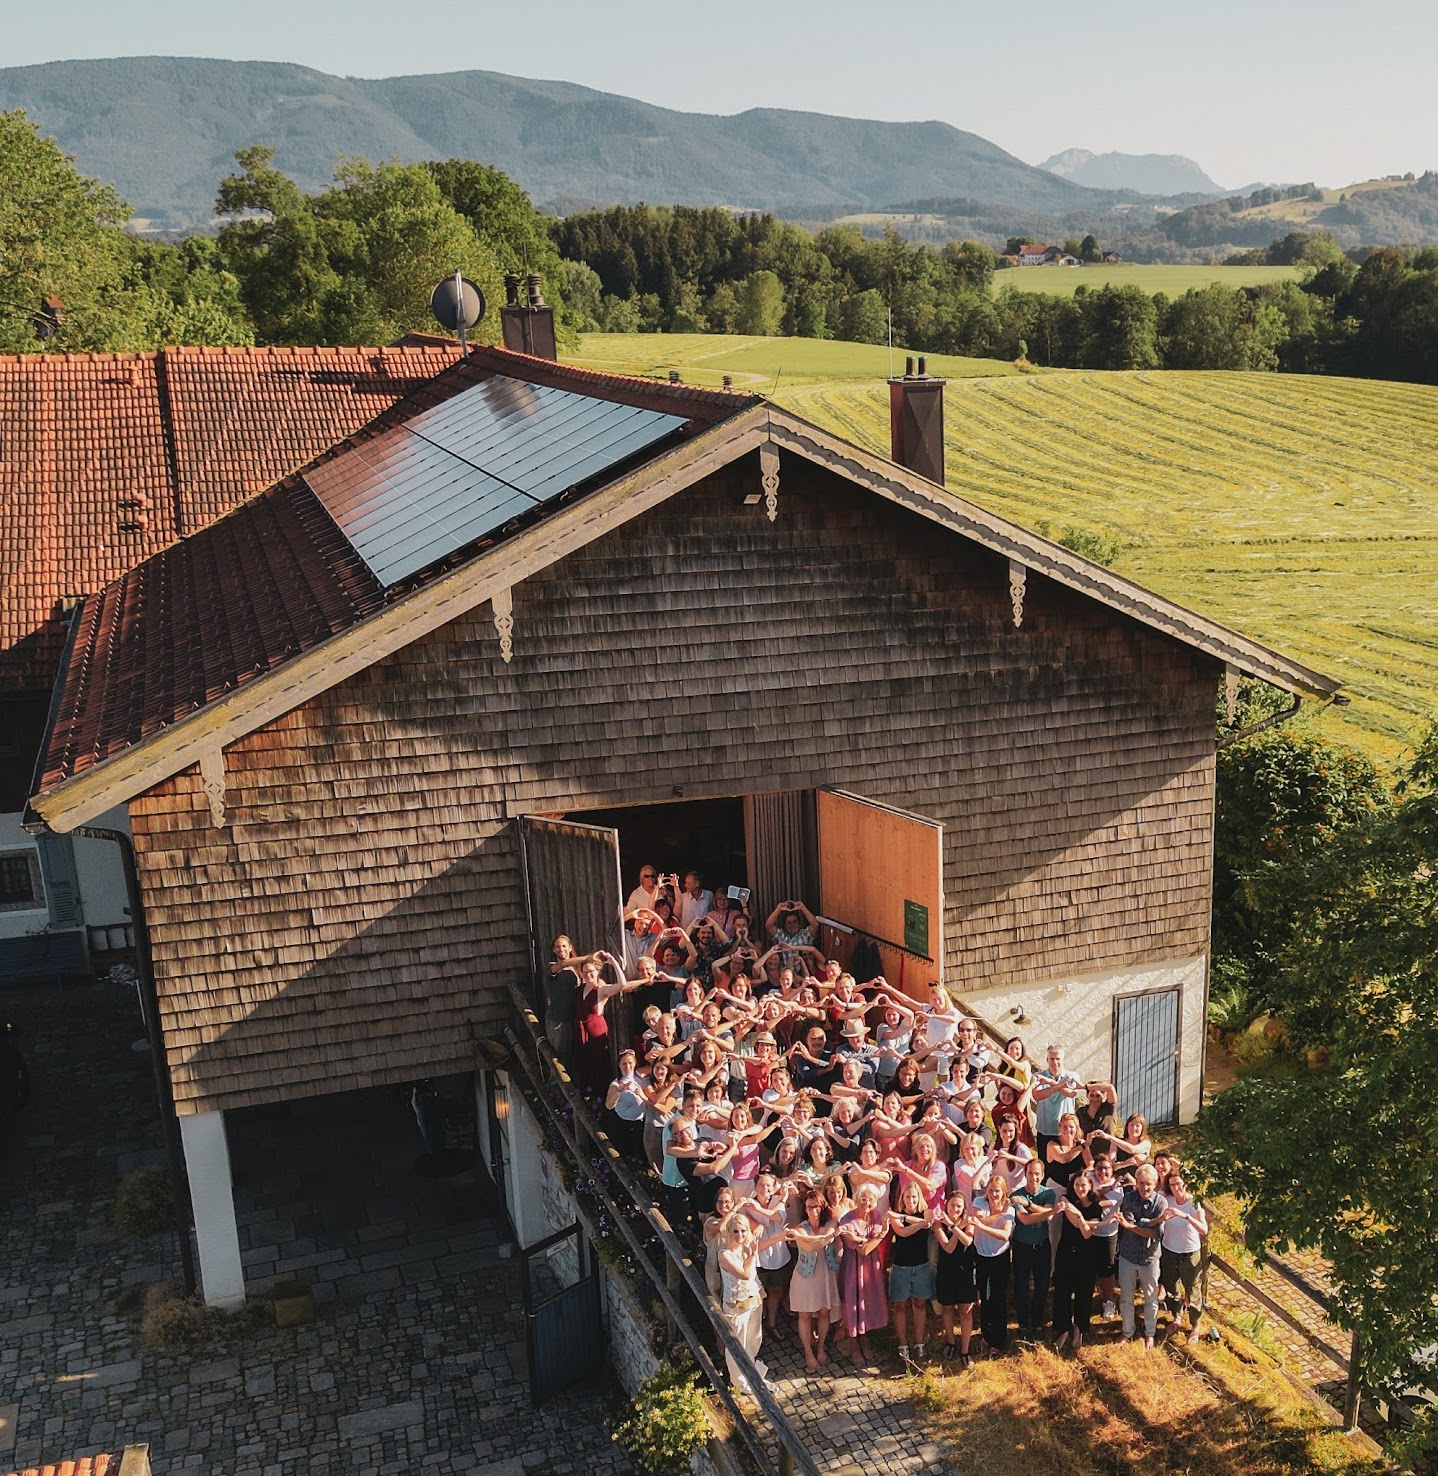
1140	1220
1055	1093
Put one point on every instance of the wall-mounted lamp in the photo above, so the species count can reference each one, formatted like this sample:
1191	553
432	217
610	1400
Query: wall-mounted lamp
1017	1015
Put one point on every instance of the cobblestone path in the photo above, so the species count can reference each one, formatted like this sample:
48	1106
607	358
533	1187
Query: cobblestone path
415	1362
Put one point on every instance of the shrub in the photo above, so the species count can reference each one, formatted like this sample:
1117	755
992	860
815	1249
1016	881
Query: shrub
144	1202
172	1322
1230	999
667	1422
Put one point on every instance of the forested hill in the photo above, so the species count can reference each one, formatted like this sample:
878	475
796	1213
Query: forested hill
165	129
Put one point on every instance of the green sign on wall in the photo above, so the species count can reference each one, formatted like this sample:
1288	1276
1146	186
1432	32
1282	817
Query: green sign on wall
916	927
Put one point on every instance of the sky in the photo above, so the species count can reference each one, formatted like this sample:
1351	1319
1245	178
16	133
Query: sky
1268	90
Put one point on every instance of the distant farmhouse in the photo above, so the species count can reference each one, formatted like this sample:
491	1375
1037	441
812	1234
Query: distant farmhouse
411	708
1048	256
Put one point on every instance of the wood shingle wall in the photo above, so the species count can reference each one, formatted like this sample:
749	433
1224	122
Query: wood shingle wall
354	919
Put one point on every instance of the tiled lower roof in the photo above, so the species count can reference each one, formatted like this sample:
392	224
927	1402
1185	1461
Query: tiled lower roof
107	458
85	1466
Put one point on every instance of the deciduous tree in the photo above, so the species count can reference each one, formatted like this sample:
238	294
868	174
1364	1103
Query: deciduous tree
1342	1157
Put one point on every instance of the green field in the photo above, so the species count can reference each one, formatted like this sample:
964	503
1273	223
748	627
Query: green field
1302	511
1174	280
757	364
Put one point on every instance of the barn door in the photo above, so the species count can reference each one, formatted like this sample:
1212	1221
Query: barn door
1145	1055
881	881
572	875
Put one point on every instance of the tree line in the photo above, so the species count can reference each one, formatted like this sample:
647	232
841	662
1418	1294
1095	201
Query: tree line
355	263
683	269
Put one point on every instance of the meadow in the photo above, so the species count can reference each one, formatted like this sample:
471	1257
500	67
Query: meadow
1172	280
761	364
1300	510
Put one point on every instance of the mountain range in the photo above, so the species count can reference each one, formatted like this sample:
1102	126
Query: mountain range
165	129
1148	174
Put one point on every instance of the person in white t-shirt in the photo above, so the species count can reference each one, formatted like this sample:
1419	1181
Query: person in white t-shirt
1181	1258
648	889
694	901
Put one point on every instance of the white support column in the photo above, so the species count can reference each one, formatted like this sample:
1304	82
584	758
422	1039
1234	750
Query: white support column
207	1161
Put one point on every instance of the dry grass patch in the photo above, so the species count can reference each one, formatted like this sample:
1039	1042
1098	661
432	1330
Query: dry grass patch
1116	1409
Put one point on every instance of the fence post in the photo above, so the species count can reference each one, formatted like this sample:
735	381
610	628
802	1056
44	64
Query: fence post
1353	1394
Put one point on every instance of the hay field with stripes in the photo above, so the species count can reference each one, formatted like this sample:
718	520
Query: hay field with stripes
1300	510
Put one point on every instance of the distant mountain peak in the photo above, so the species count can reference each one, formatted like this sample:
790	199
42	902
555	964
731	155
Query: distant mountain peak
1149	174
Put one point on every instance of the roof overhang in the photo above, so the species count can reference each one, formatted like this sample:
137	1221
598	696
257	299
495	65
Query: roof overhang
116	780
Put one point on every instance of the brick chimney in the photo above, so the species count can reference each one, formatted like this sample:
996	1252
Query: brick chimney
528	326
916	421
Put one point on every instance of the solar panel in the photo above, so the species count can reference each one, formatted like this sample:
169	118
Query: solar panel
422	490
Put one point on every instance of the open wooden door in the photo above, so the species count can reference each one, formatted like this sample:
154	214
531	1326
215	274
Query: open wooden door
572	876
881	878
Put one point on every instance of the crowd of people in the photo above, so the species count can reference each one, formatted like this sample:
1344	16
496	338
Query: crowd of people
853	1156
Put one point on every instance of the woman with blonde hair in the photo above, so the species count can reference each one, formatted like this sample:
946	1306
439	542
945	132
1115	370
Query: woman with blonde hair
993	1218
911	1278
866	1307
741	1299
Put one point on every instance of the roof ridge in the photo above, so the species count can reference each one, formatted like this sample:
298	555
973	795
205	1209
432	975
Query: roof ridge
668	388
226	350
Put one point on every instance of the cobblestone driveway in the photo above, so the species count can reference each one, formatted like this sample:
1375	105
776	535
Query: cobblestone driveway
416	1360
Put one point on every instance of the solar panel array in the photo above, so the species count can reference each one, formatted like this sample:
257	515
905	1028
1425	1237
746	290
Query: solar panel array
420	491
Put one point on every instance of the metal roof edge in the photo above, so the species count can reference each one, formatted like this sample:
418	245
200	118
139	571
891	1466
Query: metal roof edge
792	432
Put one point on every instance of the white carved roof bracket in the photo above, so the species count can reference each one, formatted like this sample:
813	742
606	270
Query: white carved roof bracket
769	477
502	603
212	781
1018	581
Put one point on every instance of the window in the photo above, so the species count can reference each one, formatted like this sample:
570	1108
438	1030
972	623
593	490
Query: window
20	884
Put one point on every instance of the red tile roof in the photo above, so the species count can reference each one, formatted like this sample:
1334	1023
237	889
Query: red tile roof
271	579
85	1466
107	458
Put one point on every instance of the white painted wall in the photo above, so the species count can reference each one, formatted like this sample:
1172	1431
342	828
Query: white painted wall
21	922
1077	1013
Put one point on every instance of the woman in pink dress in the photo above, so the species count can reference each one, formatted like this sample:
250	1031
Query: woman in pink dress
866	1303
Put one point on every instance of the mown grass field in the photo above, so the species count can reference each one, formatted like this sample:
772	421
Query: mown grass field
1302	511
1174	280
759	364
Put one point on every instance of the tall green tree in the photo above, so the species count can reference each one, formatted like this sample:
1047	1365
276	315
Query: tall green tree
271	243
761	305
1343	1157
59	238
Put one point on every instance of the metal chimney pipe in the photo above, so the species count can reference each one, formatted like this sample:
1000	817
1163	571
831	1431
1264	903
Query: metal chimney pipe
534	282
923	366
511	289
909	367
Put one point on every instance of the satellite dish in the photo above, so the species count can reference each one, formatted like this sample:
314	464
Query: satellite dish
458	304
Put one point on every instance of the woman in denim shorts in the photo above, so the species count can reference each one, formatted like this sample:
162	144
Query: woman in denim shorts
911	1278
